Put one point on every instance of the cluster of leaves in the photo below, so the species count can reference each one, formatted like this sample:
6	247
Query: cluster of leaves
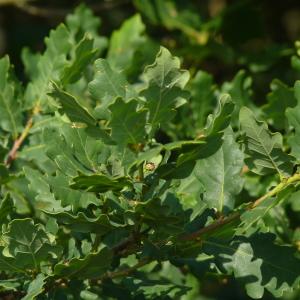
96	204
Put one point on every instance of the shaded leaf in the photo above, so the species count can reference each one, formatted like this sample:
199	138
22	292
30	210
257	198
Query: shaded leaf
99	183
258	263
84	54
92	266
81	223
6	208
220	120
279	99
72	108
293	116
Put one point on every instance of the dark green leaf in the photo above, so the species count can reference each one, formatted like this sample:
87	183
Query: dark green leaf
127	122
99	183
70	106
84	54
258	263
92	266
279	99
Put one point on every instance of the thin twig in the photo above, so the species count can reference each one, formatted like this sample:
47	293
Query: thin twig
19	141
127	271
57	12
212	227
236	215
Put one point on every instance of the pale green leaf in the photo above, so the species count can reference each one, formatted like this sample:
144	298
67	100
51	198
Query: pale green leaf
165	82
109	84
263	148
10	106
49	67
220	174
82	22
124	43
36	287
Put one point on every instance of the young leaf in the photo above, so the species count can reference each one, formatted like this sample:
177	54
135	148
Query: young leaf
186	161
216	125
264	149
164	92
124	43
239	89
82	22
49	67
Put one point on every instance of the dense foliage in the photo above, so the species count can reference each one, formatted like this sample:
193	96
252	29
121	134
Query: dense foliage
125	176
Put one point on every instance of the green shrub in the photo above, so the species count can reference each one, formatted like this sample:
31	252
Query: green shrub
126	177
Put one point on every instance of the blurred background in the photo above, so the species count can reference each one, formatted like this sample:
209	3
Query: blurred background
217	36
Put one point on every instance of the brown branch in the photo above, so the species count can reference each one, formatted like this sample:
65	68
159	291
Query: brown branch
212	227
125	272
57	12
124	245
236	215
12	155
